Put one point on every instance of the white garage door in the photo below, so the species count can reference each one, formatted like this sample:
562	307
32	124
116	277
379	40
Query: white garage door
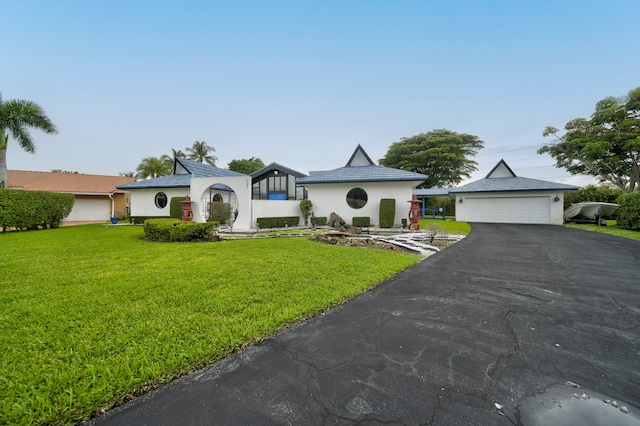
508	209
90	210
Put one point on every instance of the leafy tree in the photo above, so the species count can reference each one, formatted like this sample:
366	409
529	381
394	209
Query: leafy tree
15	116
199	152
305	207
606	146
127	174
441	154
153	167
246	166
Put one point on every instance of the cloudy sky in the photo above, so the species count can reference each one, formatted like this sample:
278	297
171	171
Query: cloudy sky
302	83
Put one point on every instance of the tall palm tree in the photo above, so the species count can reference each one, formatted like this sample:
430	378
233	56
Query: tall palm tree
200	152
153	167
15	116
175	153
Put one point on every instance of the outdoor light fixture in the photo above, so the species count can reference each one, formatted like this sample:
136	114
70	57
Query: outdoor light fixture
460	201
556	198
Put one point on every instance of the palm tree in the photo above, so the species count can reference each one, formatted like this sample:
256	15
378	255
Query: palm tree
177	153
15	116
200	152
153	167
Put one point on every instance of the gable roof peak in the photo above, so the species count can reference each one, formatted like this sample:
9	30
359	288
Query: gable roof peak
501	170
359	158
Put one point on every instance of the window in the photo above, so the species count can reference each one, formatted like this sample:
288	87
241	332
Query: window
357	198
217	198
161	200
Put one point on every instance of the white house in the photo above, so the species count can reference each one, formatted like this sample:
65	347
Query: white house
356	189
353	190
503	197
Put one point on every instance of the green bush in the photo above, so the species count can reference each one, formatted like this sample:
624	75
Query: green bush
603	194
387	212
305	208
33	209
219	212
321	221
174	230
175	207
278	222
361	221
628	215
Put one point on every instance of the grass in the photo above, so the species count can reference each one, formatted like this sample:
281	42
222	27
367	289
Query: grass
612	229
449	225
91	316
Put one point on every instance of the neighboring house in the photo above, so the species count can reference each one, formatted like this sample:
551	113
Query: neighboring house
96	196
356	189
503	197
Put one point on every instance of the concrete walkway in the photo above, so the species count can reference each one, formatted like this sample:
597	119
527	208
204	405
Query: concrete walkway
513	325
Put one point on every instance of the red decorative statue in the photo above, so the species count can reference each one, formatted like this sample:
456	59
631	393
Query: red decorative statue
187	213
414	213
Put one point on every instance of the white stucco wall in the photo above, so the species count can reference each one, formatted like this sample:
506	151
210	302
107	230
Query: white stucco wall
332	197
275	208
510	207
143	201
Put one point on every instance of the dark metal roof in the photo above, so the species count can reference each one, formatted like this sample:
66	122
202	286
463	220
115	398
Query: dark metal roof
361	174
188	168
431	192
276	166
507	184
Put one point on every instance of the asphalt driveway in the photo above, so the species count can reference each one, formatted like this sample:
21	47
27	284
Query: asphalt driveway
516	324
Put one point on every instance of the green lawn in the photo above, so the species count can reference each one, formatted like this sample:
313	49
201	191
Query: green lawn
92	315
449	225
611	229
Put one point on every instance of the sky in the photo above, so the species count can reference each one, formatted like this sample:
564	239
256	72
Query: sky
302	83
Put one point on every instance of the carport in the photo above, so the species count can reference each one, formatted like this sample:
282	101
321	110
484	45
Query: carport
503	197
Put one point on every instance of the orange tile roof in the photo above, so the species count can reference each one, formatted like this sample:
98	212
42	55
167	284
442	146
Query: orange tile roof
74	183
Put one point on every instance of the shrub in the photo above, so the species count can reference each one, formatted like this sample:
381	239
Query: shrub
305	208
361	221
278	222
174	230
175	207
321	221
219	212
629	212
33	209
387	212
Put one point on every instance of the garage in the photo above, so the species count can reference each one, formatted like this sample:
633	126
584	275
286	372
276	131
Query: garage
508	209
90	209
503	197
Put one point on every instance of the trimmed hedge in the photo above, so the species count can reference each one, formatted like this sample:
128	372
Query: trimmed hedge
33	209
321	221
361	221
628	214
174	230
278	222
387	212
175	207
